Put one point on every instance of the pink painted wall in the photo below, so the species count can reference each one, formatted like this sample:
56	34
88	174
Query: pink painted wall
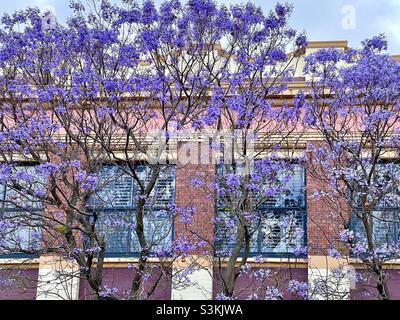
246	284
23	287
121	278
366	290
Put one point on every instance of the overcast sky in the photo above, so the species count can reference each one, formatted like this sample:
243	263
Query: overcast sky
352	20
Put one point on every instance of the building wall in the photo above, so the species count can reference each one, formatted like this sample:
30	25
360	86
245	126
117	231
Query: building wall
247	285
322	231
366	290
22	287
121	278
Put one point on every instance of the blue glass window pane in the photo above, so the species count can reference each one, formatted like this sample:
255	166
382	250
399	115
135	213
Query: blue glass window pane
116	189
117	211
281	220
21	212
282	232
384	220
384	227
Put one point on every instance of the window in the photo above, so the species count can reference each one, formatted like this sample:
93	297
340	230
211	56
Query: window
20	213
385	198
279	224
385	228
116	204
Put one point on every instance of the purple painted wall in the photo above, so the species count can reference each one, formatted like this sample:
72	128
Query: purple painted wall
121	278
23	287
246	284
366	290
18	285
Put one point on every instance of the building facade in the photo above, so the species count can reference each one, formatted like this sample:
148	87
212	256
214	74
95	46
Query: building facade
39	277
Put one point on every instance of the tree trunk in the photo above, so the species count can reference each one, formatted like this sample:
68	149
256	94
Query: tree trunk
230	270
144	251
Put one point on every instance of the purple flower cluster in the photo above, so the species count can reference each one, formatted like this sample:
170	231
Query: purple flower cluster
272	293
346	236
87	181
106	292
298	288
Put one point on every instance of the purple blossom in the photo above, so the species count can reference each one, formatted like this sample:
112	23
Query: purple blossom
103	111
197	182
75	164
333	253
106	292
149	12
87	182
300	251
298	288
48	168
359	249
233	181
378	43
273	293
262	274
301	41
222	297
186	214
346	236
60	109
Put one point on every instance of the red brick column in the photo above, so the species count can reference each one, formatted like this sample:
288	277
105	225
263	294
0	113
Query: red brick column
201	198
201	226
325	219
324	214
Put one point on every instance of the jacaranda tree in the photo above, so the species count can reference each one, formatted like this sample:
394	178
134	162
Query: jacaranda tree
354	104
255	157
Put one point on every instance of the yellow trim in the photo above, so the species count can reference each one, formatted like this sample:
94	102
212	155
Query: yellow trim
325	262
391	264
328	44
21	262
124	262
274	263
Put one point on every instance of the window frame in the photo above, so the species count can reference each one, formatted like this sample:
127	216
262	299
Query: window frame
355	220
131	209
4	210
302	210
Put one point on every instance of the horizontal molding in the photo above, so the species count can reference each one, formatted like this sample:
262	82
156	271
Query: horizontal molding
328	44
